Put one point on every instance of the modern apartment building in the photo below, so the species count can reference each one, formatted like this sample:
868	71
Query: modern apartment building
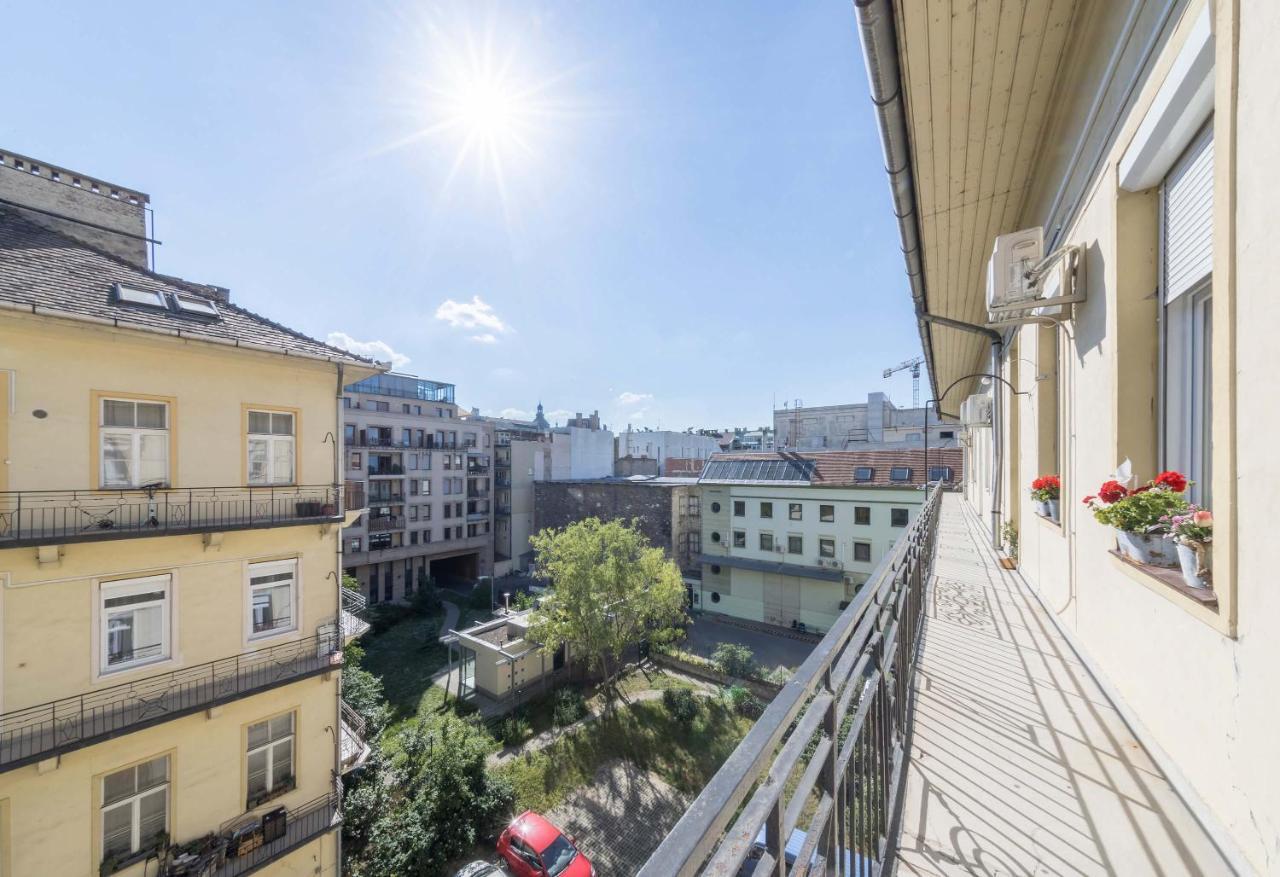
170	618
426	478
788	538
659	444
858	426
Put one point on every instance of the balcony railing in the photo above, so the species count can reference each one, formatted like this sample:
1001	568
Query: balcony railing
353	624
386	469
302	824
836	731
42	517
385	498
386	523
35	733
353	748
472	493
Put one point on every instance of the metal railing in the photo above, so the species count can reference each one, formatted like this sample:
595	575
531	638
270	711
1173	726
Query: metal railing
387	498
41	517
35	733
834	736
302	824
352	622
385	523
385	469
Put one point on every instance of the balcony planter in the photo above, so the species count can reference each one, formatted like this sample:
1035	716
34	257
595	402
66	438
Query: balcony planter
1153	549
1193	533
1053	510
1045	491
1142	518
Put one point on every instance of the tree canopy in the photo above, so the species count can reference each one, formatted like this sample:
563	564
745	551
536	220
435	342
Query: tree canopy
610	589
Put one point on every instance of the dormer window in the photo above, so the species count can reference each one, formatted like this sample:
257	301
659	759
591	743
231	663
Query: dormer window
900	473
134	296
863	473
193	304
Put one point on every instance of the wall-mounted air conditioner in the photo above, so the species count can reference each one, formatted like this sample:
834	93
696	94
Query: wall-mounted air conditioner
1024	285
1014	256
975	411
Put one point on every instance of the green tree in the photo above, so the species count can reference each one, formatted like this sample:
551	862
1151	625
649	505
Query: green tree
732	659
610	589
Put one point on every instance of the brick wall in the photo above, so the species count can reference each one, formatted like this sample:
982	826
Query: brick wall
560	503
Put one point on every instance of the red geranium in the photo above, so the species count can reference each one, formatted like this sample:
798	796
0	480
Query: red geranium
1175	481
1088	500
1112	491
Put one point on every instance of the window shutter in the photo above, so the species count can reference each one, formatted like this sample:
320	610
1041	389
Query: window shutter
1188	218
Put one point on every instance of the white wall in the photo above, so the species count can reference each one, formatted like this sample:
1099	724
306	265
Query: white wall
661	444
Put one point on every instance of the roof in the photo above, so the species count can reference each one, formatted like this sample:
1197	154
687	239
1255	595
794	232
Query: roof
44	272
839	468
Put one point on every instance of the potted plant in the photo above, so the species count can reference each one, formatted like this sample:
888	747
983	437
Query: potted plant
1046	490
1141	517
1192	533
1009	533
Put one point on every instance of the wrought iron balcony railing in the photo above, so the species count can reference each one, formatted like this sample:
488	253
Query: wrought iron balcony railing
353	624
38	732
829	747
302	824
386	523
42	517
353	748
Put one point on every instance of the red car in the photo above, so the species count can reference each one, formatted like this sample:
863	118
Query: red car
533	847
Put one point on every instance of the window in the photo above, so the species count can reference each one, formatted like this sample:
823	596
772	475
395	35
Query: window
270	447
413	487
356	544
379	541
766	510
426	487
349	434
862	515
133	296
194	304
134	618
379	406
864	473
135	808
795	545
448	507
406	437
827	514
355	460
715	508
1187	317
939	473
739	508
134	438
766	541
715	536
947	434
695	543
695	504
862	551
413	537
826	548
795	511
900	473
739	539
270	759
898	517
413	462
272	596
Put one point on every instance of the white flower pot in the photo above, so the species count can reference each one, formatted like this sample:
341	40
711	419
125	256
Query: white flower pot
1042	508
1052	506
1190	563
1151	549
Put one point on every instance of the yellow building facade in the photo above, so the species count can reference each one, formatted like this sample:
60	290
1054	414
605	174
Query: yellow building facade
170	618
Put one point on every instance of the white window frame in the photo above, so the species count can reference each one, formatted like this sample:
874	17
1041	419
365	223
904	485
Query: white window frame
135	435
134	803
270	748
267	568
271	439
124	588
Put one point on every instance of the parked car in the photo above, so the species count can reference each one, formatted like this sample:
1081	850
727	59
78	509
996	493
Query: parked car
481	869
533	847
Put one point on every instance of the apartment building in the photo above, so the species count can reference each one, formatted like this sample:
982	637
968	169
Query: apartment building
426	479
1145	176
659	444
874	424
787	539
170	638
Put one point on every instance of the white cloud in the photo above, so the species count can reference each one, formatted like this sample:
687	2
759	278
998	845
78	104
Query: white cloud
475	314
629	398
379	350
515	414
558	415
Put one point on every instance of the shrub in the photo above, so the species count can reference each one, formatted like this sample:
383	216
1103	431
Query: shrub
363	693
569	708
384	616
732	659
481	598
425	599
744	703
523	600
681	704
514	729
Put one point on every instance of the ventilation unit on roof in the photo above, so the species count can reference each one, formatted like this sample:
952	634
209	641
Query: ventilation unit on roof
1024	285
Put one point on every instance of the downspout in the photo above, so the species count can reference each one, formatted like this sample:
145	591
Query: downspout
338	452
880	52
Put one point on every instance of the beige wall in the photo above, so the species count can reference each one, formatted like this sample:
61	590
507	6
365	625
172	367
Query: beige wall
1201	683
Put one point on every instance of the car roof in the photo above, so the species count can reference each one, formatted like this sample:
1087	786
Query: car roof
534	830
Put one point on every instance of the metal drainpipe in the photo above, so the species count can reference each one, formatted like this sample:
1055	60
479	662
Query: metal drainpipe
339	451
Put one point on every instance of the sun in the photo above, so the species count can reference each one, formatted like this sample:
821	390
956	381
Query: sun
487	110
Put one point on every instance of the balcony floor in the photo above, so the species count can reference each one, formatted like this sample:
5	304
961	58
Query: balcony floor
1019	764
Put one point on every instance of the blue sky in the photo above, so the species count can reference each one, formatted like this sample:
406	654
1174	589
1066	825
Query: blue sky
672	212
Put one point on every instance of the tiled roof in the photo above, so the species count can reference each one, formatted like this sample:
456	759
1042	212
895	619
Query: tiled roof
44	270
836	468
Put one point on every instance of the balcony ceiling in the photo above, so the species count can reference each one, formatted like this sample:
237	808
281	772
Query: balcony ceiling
978	78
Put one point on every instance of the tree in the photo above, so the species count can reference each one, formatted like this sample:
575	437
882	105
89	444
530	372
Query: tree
611	589
732	659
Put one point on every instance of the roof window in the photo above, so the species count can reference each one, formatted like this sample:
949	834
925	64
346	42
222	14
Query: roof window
863	473
194	304
900	473
148	297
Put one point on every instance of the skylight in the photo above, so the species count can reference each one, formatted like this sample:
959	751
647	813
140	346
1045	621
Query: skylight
759	470
148	297
900	473
863	473
193	304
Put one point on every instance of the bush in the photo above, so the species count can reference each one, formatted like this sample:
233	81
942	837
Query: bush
481	598
744	703
522	600
514	730
732	659
425	599
429	633
363	693
570	707
384	616
681	704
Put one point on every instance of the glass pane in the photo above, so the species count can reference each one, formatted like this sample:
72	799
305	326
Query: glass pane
154	462
258	735
257	461
282	424
151	415
259	422
282	461
282	726
152	815
153	773
116	413
272	608
117	459
119	638
133	599
257	772
118	786
282	763
117	830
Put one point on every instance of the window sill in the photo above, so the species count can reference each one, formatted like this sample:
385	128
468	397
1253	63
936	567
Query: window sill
1201	603
254	638
267	797
1056	525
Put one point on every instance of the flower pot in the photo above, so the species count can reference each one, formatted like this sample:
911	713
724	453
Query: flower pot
1152	549
1189	560
1042	508
1052	506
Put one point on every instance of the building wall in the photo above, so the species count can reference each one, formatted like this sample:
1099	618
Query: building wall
581	453
873	424
1202	683
560	503
661	444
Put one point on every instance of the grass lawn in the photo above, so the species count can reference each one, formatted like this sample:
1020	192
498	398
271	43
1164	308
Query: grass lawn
642	733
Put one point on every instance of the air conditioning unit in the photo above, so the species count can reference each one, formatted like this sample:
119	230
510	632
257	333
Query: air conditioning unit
1010	286
778	549
976	410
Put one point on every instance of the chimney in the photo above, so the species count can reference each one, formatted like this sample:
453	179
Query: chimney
97	213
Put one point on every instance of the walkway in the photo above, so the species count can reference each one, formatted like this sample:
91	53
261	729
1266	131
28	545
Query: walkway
1019	763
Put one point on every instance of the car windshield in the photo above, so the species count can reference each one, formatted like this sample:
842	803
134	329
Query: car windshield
557	856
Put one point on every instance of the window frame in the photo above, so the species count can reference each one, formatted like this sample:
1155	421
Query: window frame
893	516
795	511
766	509
859	512
826	513
763	536
135	434
267	567
800	545
739	538
739	508
862	544
826	546
139	585
138	848
288	784
272	439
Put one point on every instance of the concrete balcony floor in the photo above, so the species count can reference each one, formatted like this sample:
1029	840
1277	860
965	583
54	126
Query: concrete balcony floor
1019	763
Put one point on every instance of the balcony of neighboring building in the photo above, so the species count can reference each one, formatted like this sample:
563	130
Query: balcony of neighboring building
352	619
944	725
45	517
353	747
385	523
385	493
385	465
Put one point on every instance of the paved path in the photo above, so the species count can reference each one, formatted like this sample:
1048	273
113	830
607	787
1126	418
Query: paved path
1019	763
619	818
770	650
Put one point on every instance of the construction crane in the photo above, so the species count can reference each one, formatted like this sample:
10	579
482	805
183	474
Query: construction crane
914	365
